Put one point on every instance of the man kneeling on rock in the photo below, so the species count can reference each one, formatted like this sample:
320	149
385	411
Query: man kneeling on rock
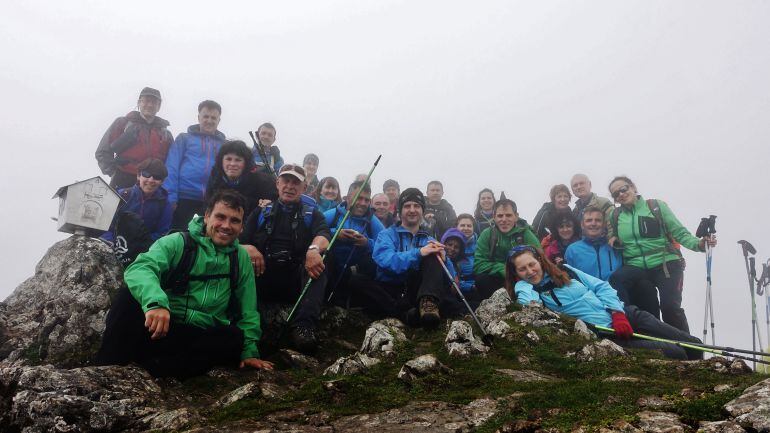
411	284
285	241
194	293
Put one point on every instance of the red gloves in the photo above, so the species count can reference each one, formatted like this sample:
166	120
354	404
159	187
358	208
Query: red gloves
621	326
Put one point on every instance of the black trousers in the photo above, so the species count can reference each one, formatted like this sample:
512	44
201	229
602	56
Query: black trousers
382	299
644	323
186	350
628	279
283	283
484	286
185	210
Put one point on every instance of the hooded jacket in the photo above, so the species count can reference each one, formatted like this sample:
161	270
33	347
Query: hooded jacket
189	163
130	140
155	210
444	217
368	225
273	154
464	265
651	249
594	257
205	304
494	263
397	251
586	298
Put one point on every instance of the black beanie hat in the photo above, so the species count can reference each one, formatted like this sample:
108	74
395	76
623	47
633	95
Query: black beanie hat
411	194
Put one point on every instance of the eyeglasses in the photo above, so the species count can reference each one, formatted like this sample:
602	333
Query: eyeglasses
622	190
520	249
148	175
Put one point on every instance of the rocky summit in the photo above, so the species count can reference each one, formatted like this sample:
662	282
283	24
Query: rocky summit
543	373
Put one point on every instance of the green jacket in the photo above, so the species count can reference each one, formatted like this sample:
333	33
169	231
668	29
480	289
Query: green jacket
649	252
207	303
494	264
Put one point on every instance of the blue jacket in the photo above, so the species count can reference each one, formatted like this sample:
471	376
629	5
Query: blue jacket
273	154
155	211
586	298
464	266
368	225
189	163
599	261
397	251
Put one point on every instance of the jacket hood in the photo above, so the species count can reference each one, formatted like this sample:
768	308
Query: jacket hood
453	233
157	122
198	233
196	130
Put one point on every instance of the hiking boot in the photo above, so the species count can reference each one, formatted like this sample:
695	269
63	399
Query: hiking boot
411	317
429	314
304	340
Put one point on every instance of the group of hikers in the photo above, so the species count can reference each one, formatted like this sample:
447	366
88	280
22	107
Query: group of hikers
227	228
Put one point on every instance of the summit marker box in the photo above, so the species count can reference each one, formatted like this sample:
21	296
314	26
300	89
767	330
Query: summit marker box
87	207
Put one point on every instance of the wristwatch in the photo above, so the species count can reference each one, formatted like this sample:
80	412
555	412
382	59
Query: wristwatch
314	247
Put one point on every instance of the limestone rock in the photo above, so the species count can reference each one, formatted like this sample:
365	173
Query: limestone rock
660	422
428	417
629	379
499	328
620	426
601	349
535	315
295	359
173	420
653	402
353	364
526	375
421	366
581	329
44	398
382	337
250	390
57	315
723	387
460	340
494	307
533	337
752	408
738	366
720	427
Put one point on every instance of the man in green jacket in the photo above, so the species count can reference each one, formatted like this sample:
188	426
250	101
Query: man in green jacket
493	246
188	328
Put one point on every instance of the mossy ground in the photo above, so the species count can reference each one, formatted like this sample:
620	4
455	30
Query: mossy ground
580	398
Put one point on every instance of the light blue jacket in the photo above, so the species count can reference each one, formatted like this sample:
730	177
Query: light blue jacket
599	261
368	225
397	251
586	298
189	162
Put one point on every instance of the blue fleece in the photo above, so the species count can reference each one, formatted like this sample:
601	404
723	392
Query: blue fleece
368	225
587	298
597	259
189	162
155	210
397	251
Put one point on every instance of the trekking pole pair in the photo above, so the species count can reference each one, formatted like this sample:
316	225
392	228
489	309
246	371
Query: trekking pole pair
707	229
334	238
717	350
751	273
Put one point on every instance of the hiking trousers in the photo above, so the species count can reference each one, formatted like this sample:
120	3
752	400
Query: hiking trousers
634	288
283	283
186	350
669	289
643	322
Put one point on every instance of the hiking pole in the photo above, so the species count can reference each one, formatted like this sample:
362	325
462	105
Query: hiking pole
331	242
263	155
486	338
751	273
707	228
342	274
686	345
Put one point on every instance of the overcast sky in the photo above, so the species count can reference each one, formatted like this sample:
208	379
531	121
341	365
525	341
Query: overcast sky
516	96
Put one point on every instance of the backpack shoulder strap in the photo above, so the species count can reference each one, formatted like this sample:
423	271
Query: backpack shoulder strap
614	219
178	279
654	207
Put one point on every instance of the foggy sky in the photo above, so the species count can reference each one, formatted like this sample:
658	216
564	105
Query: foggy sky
516	96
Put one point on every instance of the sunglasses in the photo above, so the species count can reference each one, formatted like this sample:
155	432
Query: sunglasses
148	175
520	249
622	190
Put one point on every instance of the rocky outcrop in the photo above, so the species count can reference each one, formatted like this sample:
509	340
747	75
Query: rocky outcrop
422	366
57	316
382	337
460	340
601	349
752	408
353	364
494	307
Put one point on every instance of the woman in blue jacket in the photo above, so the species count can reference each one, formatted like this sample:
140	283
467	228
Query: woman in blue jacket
594	301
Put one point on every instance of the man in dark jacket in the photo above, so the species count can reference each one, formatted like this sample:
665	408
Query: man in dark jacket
133	138
439	214
189	163
285	241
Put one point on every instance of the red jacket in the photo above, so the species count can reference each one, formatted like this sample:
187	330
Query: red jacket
130	140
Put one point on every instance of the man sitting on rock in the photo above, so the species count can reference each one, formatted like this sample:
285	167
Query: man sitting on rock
285	241
193	292
412	286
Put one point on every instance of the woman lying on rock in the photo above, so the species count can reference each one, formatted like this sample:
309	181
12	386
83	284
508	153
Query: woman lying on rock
574	293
